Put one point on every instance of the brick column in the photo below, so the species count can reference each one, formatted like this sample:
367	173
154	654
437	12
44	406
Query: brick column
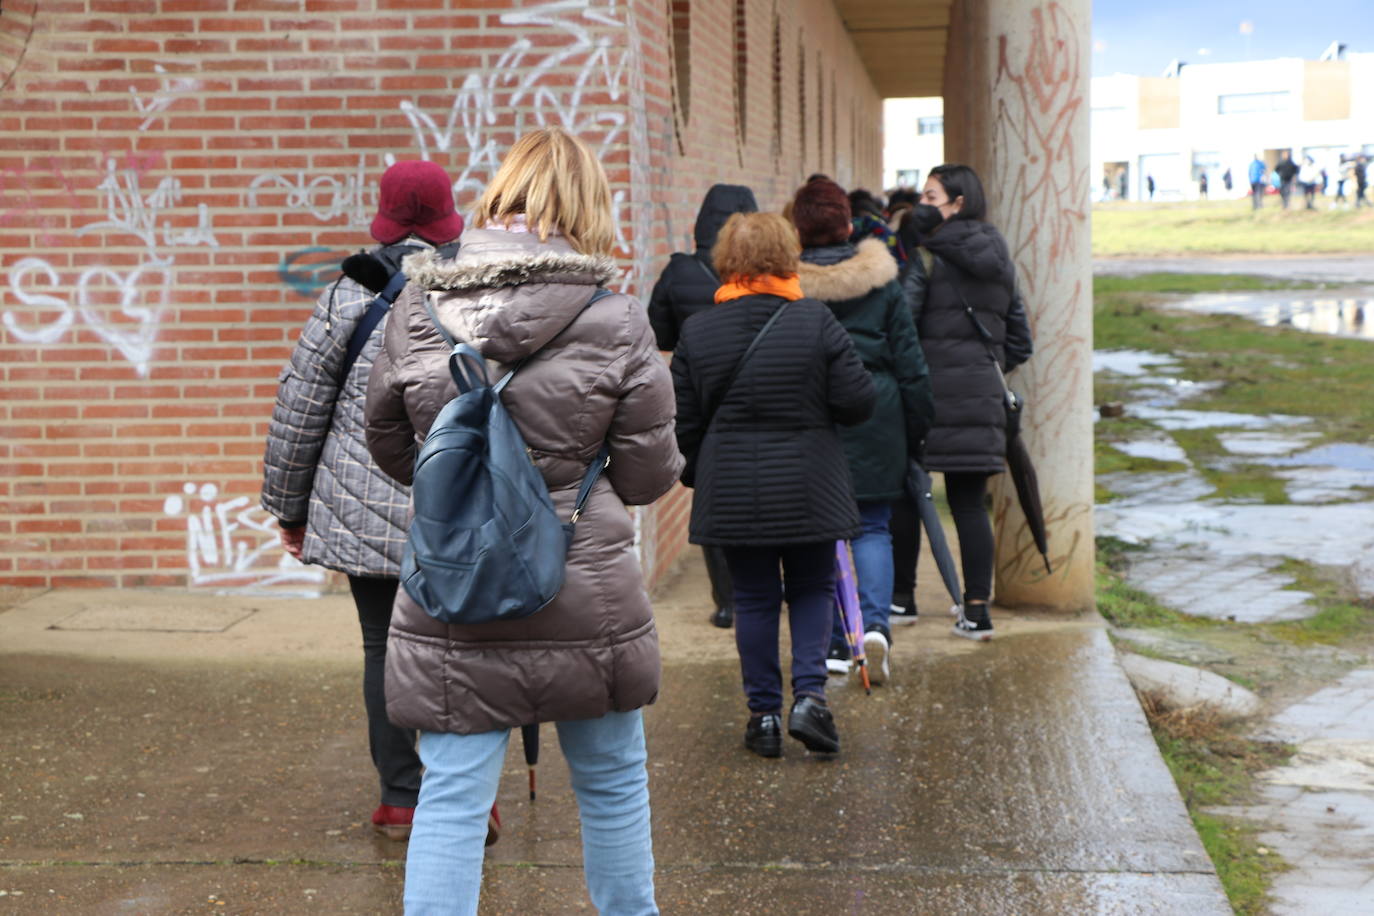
1016	110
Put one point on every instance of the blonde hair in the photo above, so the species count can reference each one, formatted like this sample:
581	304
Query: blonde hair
756	245
553	179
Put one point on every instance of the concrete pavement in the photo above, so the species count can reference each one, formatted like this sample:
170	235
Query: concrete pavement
152	768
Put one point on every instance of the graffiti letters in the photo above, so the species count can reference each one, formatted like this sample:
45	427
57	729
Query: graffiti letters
229	545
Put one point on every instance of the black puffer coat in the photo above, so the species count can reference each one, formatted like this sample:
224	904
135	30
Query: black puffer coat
970	257
771	469
859	284
688	284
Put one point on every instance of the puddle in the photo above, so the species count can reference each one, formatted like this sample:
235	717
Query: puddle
1316	313
1160	448
1328	535
1209	419
1262	444
1132	362
1336	455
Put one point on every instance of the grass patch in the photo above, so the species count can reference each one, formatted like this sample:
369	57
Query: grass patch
1167	282
1261	370
1122	604
1339	620
1214	765
1227	227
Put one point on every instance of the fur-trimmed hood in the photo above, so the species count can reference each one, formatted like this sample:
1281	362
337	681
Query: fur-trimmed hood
870	268
507	293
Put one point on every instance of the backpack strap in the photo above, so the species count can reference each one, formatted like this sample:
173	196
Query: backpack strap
376	309
584	492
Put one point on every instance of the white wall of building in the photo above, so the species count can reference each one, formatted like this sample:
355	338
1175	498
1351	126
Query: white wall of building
906	150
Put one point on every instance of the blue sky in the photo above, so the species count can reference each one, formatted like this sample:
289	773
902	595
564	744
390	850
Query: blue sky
1141	36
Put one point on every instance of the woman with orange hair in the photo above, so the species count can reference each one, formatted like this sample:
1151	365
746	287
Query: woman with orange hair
761	379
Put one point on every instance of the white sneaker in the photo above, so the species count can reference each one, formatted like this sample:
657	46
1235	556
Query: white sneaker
979	631
836	663
876	649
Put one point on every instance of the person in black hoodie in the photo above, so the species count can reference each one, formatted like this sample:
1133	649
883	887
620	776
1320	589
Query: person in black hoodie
687	286
964	272
761	380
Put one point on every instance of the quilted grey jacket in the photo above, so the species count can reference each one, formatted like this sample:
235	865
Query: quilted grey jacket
317	468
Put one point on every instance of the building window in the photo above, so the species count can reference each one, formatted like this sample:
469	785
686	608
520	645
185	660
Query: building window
801	93
930	126
680	22
1252	103
741	75
777	86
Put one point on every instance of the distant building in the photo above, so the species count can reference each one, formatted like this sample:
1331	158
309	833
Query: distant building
1201	119
1209	118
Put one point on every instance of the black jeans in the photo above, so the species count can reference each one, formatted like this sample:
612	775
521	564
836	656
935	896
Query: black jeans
807	580
393	749
966	493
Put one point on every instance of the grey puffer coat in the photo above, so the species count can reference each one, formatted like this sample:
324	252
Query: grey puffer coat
595	376
317	470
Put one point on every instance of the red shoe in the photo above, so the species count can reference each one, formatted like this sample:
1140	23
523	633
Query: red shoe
493	826
393	822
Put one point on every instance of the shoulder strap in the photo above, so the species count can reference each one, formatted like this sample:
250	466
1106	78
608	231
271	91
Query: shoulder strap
985	336
739	364
376	309
706	268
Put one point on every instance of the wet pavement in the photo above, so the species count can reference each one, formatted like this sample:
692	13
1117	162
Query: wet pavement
225	770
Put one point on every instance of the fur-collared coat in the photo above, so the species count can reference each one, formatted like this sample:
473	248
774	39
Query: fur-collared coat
859	283
595	376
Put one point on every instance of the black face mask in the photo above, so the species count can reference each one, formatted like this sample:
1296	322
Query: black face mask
924	218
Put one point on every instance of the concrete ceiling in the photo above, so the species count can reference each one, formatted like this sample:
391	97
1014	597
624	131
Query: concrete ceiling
901	41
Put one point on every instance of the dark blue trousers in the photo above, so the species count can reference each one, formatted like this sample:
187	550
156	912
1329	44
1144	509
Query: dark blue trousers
805	575
393	749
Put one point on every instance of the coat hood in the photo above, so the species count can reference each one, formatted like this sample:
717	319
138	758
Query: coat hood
975	247
507	293
870	268
721	202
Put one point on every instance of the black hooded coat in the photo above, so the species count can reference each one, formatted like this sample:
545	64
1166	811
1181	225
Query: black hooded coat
971	265
689	283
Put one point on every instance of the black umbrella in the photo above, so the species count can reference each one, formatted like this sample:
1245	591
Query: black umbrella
918	487
1028	494
529	736
1018	459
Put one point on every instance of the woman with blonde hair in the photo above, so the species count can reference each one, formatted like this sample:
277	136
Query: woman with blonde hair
761	379
523	292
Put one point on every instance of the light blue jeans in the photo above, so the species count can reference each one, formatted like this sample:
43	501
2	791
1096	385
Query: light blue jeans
607	760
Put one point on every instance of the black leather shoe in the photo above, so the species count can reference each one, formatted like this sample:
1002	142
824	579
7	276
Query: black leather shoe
724	617
811	723
763	735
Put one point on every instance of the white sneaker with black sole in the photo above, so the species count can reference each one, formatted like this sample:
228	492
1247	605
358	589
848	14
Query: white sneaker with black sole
978	630
902	614
837	663
876	651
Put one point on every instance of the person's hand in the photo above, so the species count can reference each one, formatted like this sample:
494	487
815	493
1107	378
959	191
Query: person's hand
293	539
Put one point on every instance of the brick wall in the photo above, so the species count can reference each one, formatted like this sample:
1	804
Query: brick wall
180	178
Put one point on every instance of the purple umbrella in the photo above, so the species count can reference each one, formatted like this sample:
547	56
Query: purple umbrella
847	605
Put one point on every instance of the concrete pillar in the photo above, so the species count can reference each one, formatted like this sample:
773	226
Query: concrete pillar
1017	76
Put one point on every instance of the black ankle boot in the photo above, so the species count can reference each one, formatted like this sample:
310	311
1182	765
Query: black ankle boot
724	617
763	735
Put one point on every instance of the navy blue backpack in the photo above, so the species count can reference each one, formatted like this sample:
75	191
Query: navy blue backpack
485	543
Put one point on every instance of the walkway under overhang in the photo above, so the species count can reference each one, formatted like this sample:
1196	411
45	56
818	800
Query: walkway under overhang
902	42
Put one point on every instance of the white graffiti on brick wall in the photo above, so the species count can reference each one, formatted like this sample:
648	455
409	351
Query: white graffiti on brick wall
325	197
161	100
129	210
230	542
123	308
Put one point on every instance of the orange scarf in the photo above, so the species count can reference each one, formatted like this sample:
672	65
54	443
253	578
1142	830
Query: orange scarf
788	287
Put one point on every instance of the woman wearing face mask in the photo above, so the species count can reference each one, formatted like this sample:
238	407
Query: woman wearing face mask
962	266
